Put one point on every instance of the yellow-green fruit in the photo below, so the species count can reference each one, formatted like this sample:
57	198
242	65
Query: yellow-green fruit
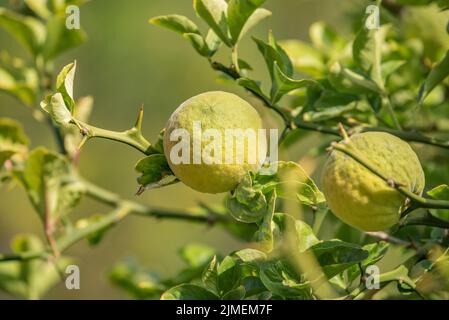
223	112
358	196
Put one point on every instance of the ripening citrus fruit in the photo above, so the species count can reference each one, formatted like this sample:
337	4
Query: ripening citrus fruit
358	196
212	140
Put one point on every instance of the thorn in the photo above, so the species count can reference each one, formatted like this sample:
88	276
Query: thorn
140	190
343	132
332	146
139	120
83	142
391	183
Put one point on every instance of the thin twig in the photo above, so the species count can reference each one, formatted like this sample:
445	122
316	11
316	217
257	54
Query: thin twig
388	238
291	122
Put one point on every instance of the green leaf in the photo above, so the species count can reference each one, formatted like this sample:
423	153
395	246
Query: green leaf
188	292
390	67
210	276
64	85
12	139
272	52
348	81
242	15
376	251
291	182
253	286
48	8
51	184
177	23
247	204
251	85
329	113
281	279
213	42
55	106
241	230
198	43
249	261
252	256
325	39
29	31
264	235
17	79
155	172
11	86
438	73
258	15
295	230
228	275
243	65
136	281
213	12
95	237
283	84
59	38
335	256
367	51
39	7
196	255
235	294
440	193
304	57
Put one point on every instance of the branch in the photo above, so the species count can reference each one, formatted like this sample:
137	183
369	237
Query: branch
388	238
293	123
231	72
428	220
132	137
112	199
122	209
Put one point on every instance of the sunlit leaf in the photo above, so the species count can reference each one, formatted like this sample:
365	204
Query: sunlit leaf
51	184
59	38
55	106
177	23
348	81
242	15
440	193
29	31
438	73
12	139
281	279
335	256
214	13
64	85
155	172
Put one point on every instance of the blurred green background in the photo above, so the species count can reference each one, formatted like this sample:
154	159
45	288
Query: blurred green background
124	63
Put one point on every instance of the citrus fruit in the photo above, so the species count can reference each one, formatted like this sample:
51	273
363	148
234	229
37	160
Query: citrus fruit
212	140
358	196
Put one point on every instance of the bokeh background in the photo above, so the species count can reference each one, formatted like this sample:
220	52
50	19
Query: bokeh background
124	63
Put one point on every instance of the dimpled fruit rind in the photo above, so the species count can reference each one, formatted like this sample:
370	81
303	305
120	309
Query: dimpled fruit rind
215	110
359	197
